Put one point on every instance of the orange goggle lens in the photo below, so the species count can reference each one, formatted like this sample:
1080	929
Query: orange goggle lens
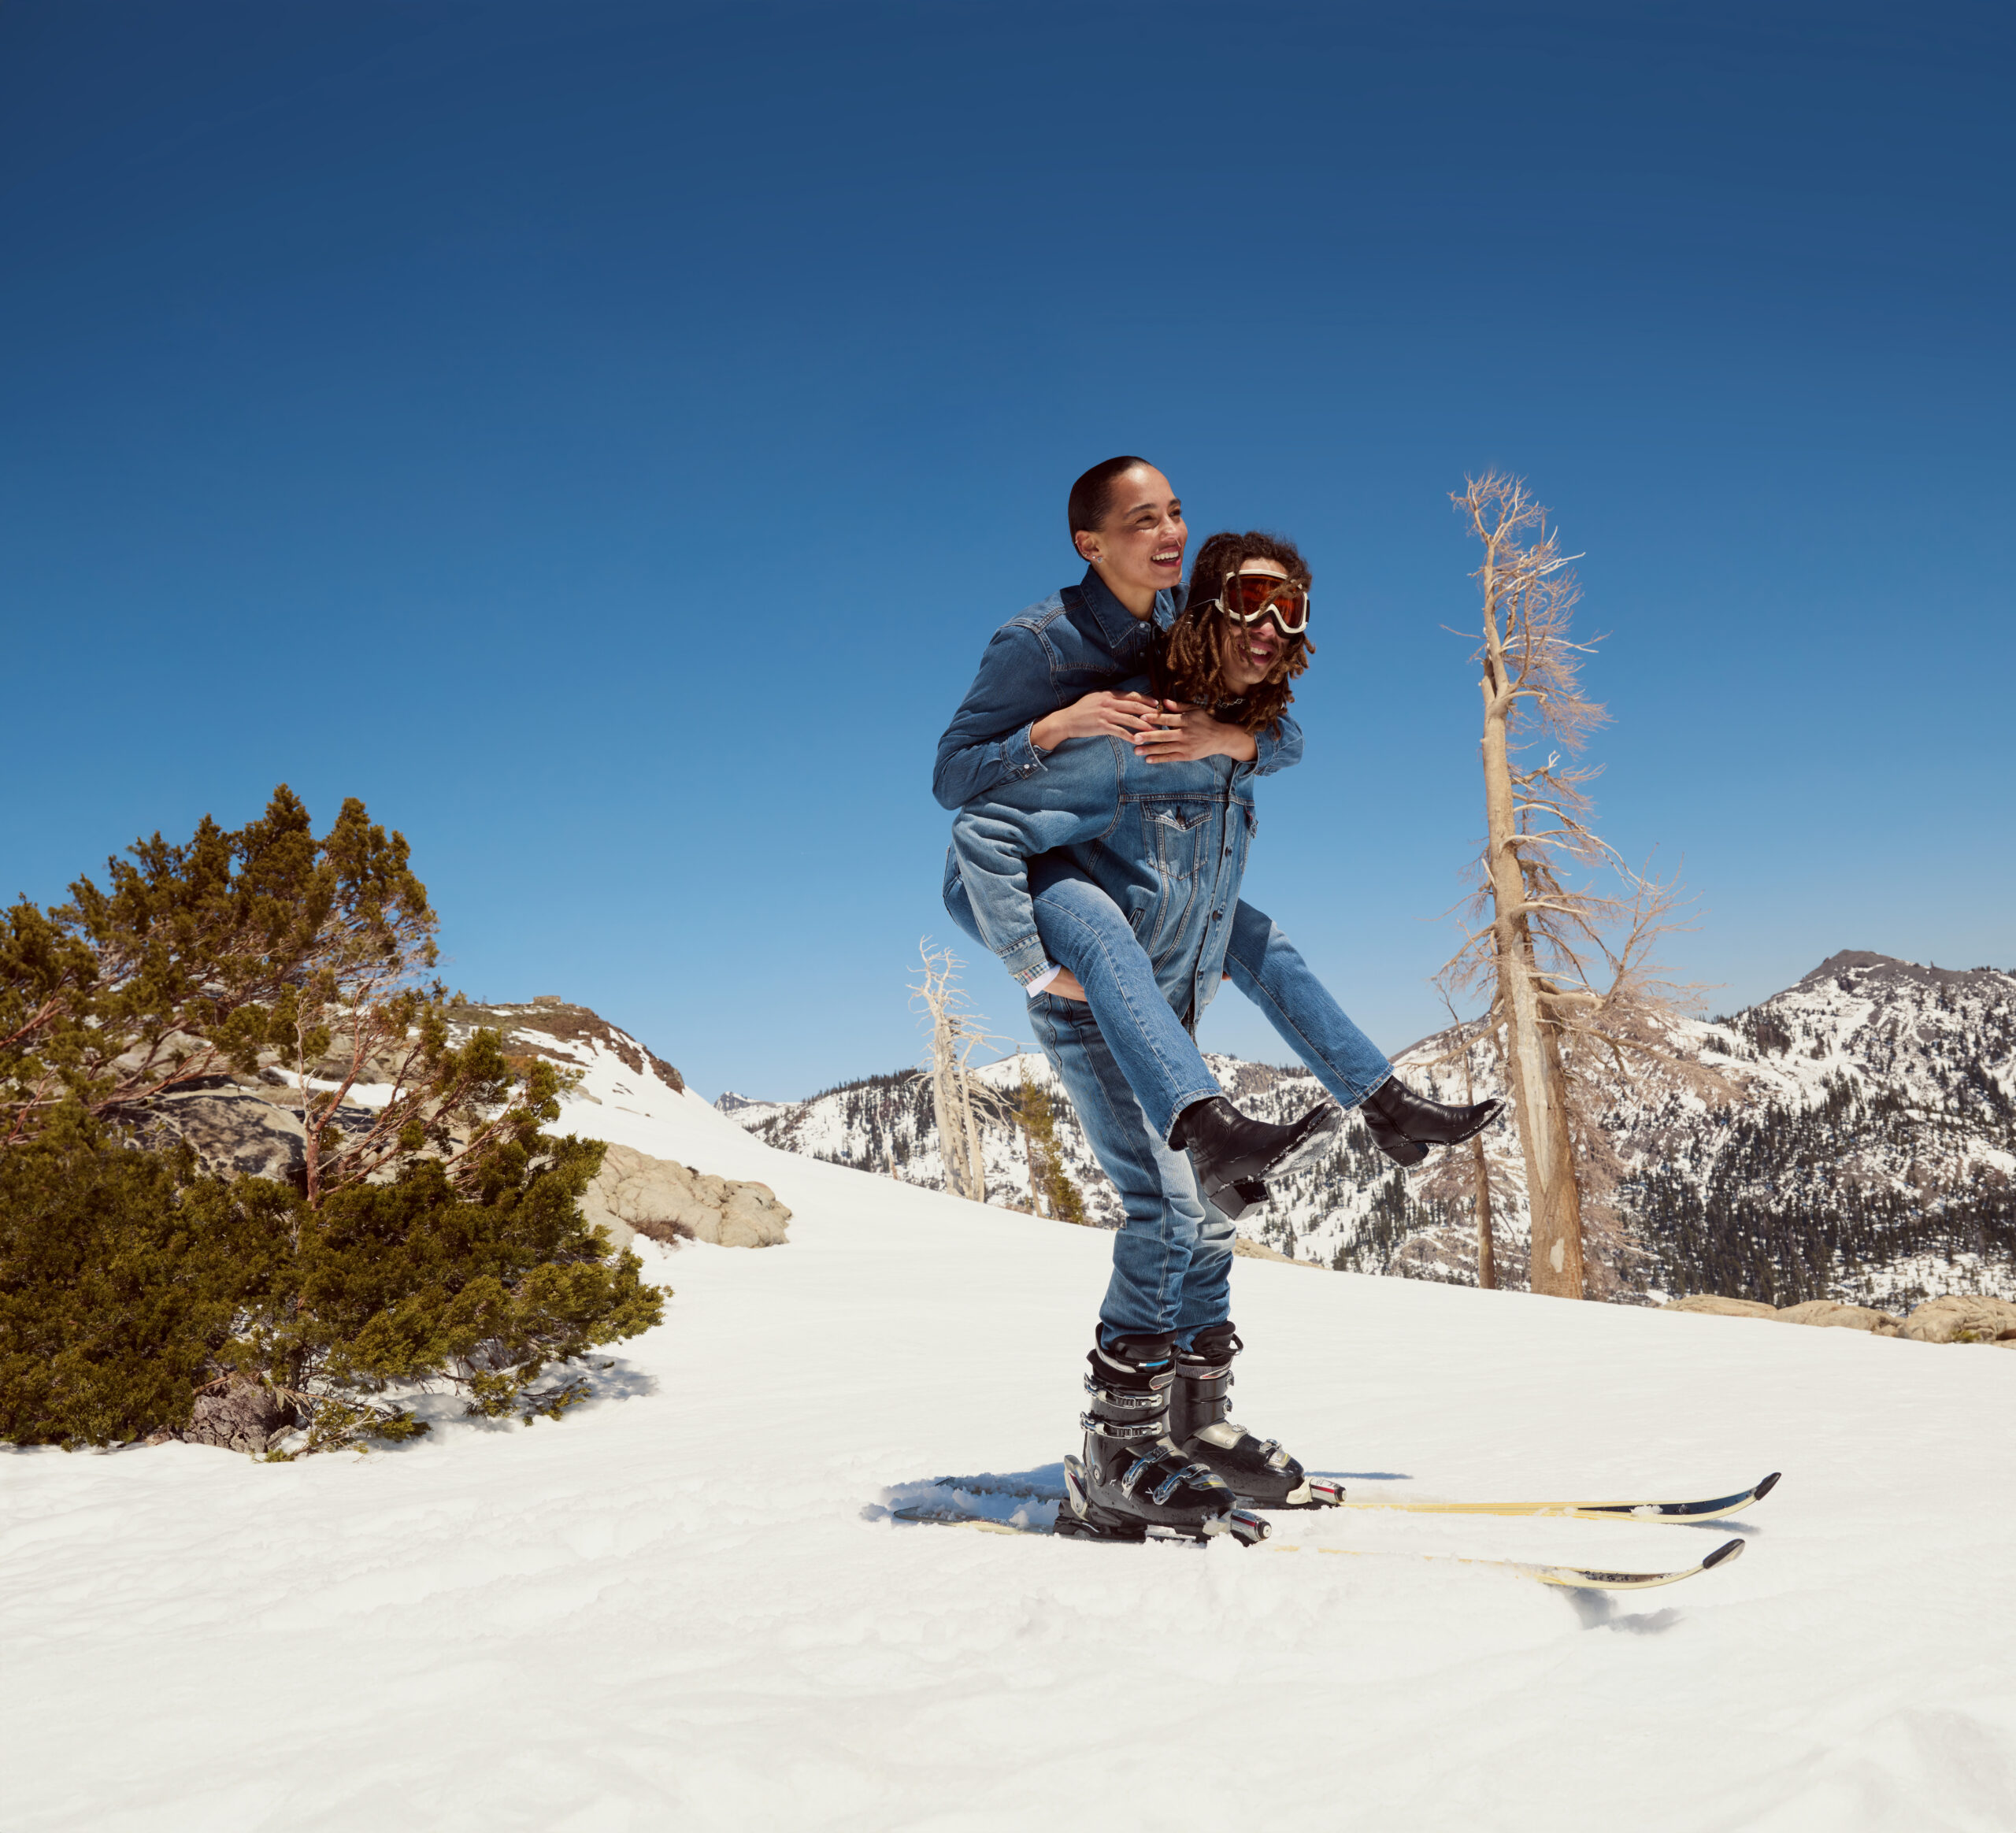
1247	598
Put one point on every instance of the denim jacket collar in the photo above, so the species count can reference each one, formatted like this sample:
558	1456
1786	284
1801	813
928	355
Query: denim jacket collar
1125	634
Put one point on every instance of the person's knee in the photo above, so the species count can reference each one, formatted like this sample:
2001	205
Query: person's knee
1253	934
1250	920
1063	934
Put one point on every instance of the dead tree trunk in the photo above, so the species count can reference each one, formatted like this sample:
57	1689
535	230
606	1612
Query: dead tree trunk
1481	1193
953	1034
1547	941
1487	1252
1533	1053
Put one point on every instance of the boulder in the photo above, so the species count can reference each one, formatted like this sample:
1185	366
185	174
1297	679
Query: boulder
1962	1317
635	1194
1830	1315
1260	1250
239	1415
236	1132
238	1127
1720	1307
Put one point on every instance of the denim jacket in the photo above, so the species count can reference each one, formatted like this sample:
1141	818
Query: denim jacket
1166	842
1075	642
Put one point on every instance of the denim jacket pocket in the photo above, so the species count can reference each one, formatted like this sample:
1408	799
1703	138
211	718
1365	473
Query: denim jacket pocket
1176	835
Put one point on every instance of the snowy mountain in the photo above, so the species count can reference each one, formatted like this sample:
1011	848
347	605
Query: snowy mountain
1870	1159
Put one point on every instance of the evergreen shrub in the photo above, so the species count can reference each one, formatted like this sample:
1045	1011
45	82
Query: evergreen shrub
127	1282
441	1244
123	1275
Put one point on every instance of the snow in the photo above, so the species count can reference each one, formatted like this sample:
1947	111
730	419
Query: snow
686	1605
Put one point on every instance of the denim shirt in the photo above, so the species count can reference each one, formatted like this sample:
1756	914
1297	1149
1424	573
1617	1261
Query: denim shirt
1075	643
1166	842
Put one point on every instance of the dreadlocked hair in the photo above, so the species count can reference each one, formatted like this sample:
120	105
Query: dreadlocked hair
1187	661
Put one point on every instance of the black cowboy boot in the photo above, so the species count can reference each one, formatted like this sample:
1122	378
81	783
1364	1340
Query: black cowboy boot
1404	1125
1229	1149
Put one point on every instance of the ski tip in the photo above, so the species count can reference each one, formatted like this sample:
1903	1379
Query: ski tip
1765	1487
1729	1550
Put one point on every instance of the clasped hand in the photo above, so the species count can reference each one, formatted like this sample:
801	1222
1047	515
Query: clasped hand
1163	732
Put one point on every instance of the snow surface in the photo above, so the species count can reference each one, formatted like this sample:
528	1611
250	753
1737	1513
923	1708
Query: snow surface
686	1606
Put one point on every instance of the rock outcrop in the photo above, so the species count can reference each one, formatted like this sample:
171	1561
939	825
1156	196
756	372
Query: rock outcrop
1961	1318
1720	1307
635	1194
1242	1247
238	1415
1828	1315
565	1033
1958	1318
238	1126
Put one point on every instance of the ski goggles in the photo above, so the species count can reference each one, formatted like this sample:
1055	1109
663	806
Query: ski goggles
1247	598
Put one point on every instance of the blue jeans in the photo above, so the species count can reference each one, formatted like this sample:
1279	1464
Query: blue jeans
1171	1259
1269	969
1082	929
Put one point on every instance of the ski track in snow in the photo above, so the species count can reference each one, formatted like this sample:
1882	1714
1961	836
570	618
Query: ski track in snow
686	1606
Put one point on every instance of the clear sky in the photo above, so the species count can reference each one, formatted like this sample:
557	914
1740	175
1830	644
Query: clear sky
603	437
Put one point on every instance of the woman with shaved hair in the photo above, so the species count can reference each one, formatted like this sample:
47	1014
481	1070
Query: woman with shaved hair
1104	867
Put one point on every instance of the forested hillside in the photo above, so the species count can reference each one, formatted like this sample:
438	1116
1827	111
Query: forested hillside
1873	1157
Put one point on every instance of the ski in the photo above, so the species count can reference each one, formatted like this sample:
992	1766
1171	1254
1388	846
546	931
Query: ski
1571	1577
1568	1577
1324	1493
1713	1509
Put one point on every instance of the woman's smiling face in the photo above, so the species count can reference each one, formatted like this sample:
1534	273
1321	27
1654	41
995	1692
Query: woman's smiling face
1248	650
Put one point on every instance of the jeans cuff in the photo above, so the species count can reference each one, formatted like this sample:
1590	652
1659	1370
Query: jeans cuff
1188	1100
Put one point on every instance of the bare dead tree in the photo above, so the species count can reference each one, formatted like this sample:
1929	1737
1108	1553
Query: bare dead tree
1568	967
957	1097
1479	1168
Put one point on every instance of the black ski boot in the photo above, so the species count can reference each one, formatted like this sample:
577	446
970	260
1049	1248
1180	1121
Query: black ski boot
1230	1150
1404	1125
1260	1472
1134	1484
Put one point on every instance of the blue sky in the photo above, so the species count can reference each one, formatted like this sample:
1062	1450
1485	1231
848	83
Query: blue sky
603	437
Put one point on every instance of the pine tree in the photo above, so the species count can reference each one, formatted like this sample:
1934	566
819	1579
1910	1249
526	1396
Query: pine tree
441	1241
1049	1183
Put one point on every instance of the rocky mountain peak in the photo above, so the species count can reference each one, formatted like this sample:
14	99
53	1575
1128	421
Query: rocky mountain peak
555	1028
1875	975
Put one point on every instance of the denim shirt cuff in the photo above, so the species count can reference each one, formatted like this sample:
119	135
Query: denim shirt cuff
1020	753
1269	754
1025	959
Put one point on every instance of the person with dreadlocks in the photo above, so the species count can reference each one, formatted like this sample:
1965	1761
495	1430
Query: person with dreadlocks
1123	859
